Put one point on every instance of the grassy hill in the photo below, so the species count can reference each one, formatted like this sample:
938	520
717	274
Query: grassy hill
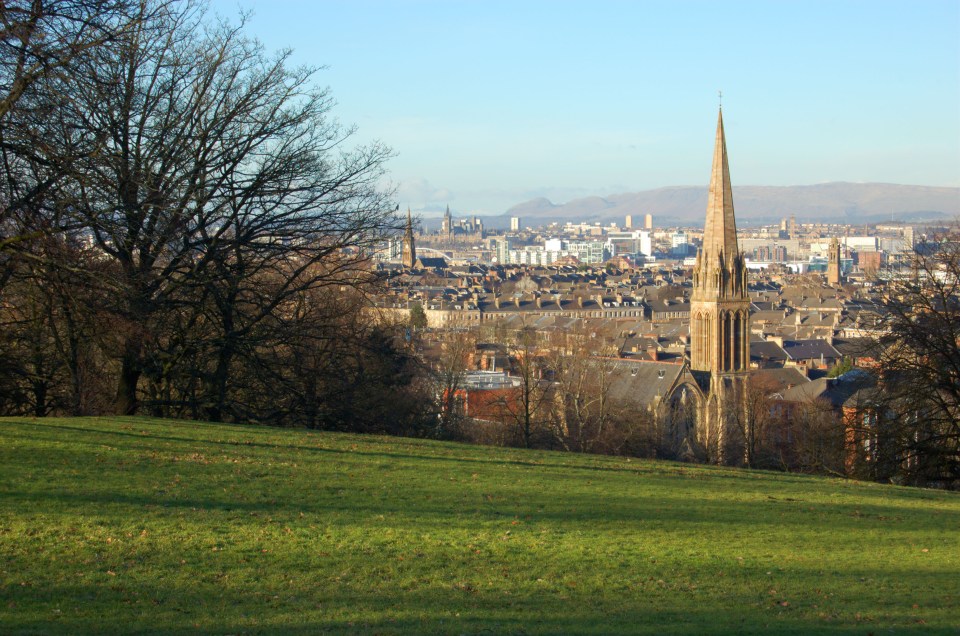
141	525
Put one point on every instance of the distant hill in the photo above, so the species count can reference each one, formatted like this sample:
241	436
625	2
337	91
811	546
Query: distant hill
841	202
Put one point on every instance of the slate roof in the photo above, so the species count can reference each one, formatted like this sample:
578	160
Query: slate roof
669	306
809	349
782	378
431	262
772	317
858	347
850	389
641	382
767	351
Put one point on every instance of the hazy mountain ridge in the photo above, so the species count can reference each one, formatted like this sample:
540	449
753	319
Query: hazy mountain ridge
839	202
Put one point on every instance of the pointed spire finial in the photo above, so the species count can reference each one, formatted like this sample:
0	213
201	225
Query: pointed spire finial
720	99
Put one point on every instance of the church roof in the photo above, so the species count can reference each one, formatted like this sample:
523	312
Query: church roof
720	232
640	382
430	262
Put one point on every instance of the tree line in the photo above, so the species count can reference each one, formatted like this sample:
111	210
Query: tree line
185	228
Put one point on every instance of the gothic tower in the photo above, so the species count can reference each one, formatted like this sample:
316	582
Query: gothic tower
833	262
409	255
719	306
447	224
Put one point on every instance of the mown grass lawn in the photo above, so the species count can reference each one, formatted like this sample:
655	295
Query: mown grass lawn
158	526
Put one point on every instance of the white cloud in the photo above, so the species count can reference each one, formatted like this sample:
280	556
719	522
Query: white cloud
421	195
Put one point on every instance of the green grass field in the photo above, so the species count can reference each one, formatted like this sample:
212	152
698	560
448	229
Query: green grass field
158	526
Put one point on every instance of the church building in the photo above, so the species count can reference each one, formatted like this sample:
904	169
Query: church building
720	309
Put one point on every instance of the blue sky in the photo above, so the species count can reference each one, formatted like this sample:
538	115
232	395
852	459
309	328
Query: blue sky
490	103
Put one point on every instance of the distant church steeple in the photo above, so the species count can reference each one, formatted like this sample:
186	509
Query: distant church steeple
447	224
409	255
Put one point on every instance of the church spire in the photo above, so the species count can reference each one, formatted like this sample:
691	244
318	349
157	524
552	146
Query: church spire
446	225
719	305
720	314
720	232
409	252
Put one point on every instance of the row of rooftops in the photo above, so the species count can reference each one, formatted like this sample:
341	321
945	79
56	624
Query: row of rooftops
643	382
799	326
668	341
792	312
506	281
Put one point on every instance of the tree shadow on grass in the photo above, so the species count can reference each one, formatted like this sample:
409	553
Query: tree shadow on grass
450	607
576	462
634	512
625	501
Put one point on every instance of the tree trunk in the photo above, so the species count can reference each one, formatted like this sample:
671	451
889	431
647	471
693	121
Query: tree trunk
40	398
218	383
130	370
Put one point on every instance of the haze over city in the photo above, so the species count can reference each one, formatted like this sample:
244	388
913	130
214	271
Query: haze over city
489	104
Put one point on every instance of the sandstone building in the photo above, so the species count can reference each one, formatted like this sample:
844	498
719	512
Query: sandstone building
833	263
704	407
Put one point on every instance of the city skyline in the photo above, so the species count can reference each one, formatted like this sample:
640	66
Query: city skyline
489	104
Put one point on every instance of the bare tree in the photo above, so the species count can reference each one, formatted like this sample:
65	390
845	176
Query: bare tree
43	44
819	443
449	371
528	408
222	178
920	364
181	213
759	435
40	39
582	367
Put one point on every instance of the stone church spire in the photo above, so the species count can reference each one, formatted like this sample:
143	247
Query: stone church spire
446	226
409	254
719	305
720	232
